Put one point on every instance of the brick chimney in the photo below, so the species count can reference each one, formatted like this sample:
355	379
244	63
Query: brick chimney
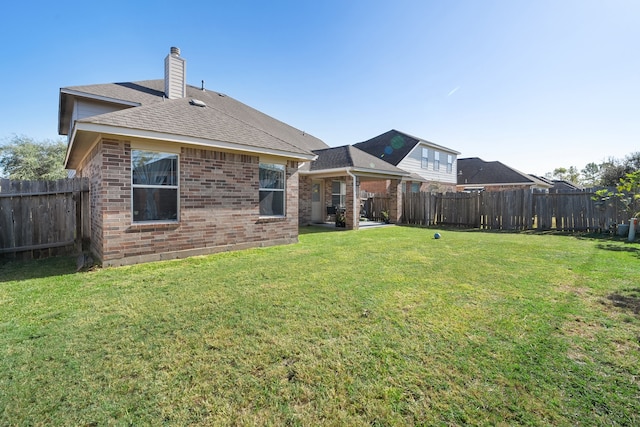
175	75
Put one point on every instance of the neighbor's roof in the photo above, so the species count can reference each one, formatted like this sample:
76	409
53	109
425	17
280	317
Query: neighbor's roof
223	119
559	184
352	158
475	171
393	146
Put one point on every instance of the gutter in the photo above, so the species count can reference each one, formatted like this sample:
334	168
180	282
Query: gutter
371	172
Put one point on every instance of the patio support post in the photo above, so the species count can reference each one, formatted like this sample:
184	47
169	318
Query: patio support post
395	202
352	213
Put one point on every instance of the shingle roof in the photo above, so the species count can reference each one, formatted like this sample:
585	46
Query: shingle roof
559	185
393	146
180	118
348	156
223	119
141	92
475	171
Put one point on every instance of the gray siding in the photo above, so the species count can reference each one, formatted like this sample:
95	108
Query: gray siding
413	164
87	108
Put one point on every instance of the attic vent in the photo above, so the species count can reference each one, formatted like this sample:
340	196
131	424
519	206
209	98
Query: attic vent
197	103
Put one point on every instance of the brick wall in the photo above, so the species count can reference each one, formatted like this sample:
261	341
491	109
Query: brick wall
349	214
91	167
378	187
395	204
218	207
382	187
304	201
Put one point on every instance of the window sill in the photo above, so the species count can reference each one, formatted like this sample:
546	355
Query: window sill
266	219
152	226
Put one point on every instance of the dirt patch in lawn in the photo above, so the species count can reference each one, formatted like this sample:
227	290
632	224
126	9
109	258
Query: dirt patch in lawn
627	299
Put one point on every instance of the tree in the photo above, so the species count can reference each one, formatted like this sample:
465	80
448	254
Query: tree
564	174
609	173
28	159
612	171
627	195
590	175
632	161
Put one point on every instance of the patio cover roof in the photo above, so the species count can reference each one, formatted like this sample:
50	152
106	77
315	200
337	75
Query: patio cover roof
338	160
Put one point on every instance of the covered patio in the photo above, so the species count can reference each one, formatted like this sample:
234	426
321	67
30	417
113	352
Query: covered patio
330	186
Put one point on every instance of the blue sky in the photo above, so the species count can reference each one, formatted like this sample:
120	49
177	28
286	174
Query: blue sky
534	84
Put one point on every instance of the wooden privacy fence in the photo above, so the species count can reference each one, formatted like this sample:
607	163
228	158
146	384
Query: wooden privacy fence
42	218
512	210
374	205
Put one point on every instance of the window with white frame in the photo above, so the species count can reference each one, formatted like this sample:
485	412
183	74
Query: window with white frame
425	158
436	161
272	189
338	193
154	182
449	163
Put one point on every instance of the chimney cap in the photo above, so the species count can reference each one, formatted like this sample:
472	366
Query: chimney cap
175	50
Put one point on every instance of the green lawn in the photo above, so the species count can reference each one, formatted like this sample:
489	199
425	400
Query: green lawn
377	327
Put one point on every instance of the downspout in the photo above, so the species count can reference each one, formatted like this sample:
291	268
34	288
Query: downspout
353	177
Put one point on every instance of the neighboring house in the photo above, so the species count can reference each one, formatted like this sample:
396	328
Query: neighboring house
430	167
474	174
177	170
559	185
339	173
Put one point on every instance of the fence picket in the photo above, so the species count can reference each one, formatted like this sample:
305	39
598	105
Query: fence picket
41	216
512	210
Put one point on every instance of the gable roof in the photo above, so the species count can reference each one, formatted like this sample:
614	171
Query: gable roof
559	185
349	157
222	122
475	171
393	146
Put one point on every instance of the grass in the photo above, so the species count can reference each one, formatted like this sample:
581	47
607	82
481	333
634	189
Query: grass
378	327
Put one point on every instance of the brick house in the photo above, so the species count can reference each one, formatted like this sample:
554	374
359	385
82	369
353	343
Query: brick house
176	170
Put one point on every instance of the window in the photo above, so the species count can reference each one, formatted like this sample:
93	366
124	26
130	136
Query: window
338	193
415	187
425	158
154	181
272	189
315	192
436	161
449	163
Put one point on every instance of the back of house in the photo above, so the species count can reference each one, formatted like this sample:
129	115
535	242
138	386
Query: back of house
177	170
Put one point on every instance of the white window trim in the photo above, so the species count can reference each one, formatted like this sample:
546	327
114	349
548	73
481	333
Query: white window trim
283	190
341	195
163	187
424	158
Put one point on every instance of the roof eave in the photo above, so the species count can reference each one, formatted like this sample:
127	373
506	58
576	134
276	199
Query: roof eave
95	97
493	184
183	139
356	171
360	170
66	99
67	154
440	147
